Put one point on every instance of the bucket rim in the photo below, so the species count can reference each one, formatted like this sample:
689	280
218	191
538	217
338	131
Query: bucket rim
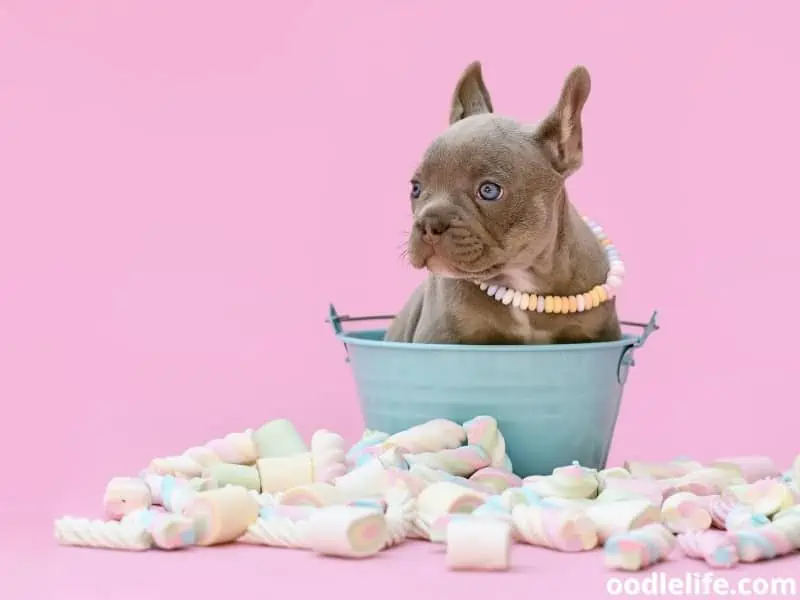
354	339
628	341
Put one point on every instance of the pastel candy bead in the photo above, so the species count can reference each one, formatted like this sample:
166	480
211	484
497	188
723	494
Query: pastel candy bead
278	438
640	548
540	304
557	528
548	304
124	495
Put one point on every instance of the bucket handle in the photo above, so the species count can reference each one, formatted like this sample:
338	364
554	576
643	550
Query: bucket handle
626	360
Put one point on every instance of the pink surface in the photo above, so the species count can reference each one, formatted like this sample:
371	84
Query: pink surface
185	187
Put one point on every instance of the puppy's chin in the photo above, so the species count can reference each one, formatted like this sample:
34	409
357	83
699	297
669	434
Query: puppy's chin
438	266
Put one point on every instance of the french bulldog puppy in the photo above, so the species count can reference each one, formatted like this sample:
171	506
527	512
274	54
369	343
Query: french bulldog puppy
489	205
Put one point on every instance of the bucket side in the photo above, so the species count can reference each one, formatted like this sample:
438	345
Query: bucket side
552	407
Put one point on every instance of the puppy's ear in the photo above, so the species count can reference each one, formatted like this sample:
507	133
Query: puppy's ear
471	96
561	133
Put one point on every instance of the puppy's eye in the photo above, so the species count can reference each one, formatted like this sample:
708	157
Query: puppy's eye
416	190
490	191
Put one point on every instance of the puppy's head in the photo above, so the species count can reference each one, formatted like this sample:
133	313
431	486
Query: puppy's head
486	195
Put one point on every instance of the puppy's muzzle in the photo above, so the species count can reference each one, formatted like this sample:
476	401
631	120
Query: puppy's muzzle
431	227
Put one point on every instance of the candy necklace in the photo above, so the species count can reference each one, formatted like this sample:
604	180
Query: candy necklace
567	304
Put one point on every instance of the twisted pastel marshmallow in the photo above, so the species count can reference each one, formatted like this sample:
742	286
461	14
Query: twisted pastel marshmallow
719	507
618	488
791	512
796	468
114	535
562	529
639	548
431	475
312	494
376	504
360	452
328	454
495	480
612	518
191	463
264	499
370	479
573	481
463	461
714	547
401	512
174	493
770	541
749	468
742	516
683	512
520	496
169	531
278	531
435	435
393	458
767	496
124	495
665	470
442	498
611	473
236	448
412	481
707	481
483	431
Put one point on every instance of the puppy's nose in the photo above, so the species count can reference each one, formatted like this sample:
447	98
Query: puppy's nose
432	227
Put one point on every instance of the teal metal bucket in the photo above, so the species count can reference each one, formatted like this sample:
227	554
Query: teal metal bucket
555	404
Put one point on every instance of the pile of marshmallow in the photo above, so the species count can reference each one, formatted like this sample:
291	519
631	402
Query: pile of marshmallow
446	483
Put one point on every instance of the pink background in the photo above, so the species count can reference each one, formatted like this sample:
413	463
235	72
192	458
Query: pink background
185	187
